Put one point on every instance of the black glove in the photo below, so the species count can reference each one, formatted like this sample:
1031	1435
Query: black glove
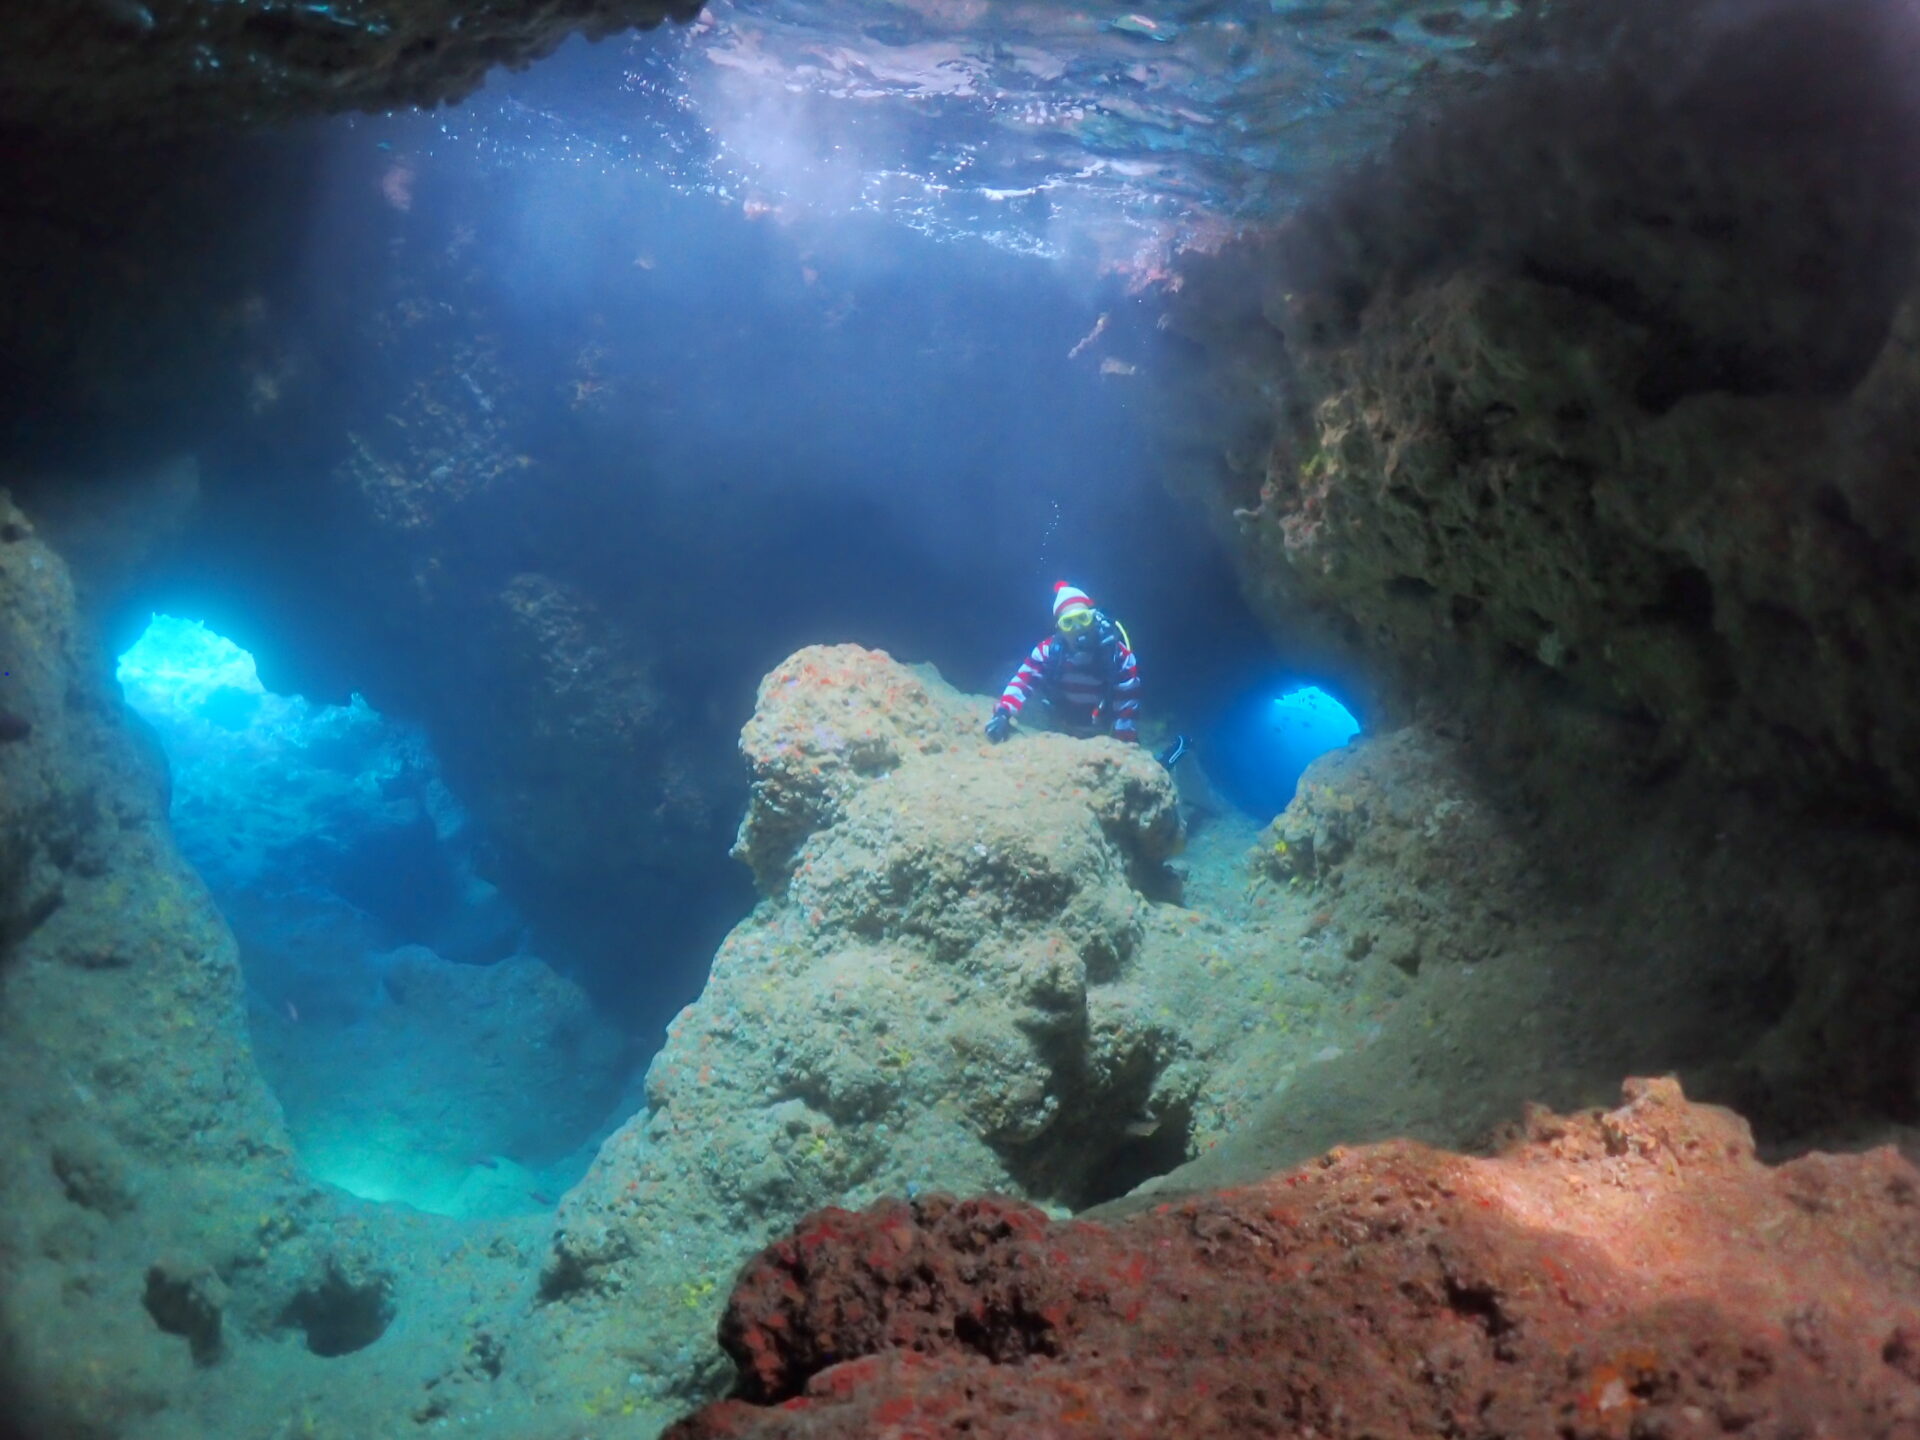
1000	726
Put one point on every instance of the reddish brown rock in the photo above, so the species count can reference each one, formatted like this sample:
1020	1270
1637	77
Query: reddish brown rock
1635	1272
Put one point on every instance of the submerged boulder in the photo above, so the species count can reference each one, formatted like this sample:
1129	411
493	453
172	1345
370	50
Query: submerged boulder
1636	1271
941	987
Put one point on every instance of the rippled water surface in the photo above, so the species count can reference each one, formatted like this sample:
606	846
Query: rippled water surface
1044	127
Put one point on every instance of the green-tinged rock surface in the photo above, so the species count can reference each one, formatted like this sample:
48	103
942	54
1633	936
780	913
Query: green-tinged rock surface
166	1270
970	971
959	978
1531	953
136	1129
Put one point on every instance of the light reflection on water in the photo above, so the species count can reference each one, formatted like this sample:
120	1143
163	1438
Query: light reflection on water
1099	131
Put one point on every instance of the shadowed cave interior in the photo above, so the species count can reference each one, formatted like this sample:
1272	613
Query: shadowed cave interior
501	603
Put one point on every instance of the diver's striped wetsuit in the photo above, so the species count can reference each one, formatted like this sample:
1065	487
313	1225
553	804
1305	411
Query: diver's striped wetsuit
1095	691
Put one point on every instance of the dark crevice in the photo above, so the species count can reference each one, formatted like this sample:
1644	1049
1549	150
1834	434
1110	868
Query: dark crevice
1686	598
1005	1334
340	1314
1138	1158
187	1306
1479	1303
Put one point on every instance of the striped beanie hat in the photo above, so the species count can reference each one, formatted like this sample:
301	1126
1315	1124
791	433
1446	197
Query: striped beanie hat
1068	597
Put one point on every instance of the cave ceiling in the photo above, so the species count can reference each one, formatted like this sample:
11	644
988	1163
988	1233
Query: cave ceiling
143	67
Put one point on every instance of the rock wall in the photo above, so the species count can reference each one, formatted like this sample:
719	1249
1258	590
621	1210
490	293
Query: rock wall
167	1270
1588	414
136	1127
1552	939
1581	427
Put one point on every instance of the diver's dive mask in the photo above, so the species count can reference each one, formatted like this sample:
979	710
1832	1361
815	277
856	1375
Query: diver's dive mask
1078	626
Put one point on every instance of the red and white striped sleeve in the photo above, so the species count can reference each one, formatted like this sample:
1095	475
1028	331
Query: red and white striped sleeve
1126	694
1014	697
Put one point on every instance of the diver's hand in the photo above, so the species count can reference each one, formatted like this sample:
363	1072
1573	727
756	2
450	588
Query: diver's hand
1000	726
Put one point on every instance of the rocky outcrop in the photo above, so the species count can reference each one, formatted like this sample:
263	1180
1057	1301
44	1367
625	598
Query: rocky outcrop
969	973
1588	428
104	64
1515	939
1636	1270
167	1269
946	984
132	1114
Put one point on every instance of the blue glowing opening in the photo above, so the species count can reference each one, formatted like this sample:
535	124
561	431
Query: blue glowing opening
179	670
1266	741
327	838
1309	722
274	792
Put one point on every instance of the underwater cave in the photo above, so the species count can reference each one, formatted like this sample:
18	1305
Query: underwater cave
686	691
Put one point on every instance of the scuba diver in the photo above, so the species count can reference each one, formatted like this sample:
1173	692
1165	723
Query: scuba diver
1085	674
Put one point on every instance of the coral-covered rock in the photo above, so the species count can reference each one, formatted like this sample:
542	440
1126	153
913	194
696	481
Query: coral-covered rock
1580	417
1420	864
950	983
832	719
825	722
1636	1271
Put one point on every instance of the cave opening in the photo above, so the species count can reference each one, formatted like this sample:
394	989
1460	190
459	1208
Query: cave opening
422	1053
1264	739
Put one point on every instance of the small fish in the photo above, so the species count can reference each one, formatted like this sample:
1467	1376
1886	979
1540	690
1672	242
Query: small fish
1144	1127
14	726
1111	366
540	1196
486	1162
293	1012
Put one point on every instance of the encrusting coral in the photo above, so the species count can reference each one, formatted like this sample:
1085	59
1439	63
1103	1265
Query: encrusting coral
1634	1271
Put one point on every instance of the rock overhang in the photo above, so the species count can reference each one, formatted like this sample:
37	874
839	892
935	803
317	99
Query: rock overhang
140	69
